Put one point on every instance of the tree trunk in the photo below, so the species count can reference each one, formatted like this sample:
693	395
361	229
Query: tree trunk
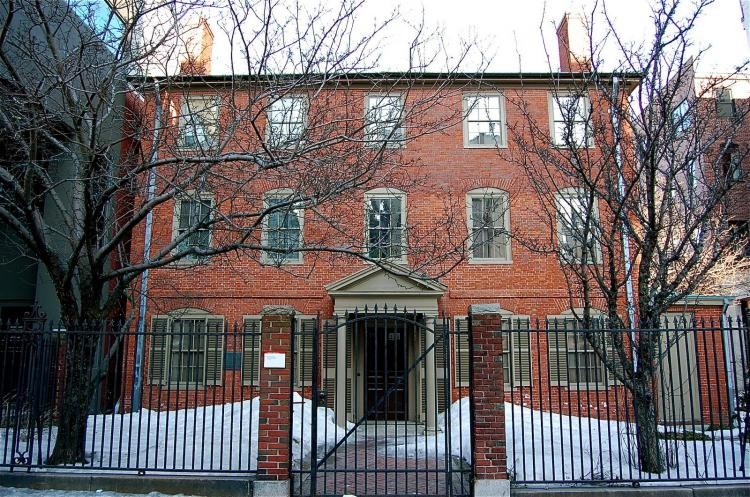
649	451
75	396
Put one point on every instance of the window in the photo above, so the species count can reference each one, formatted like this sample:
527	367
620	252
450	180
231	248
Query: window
199	118
386	224
484	121
282	228
571	123
681	119
384	119
192	225
731	161
488	218
573	360
187	349
725	103
286	121
577	227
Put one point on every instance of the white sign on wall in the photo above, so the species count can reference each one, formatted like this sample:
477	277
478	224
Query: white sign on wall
273	360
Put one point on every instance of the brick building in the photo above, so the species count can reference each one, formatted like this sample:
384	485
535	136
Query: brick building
440	178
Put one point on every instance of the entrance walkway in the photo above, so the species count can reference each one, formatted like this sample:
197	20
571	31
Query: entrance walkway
388	459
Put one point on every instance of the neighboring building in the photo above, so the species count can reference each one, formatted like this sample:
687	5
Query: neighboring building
23	281
495	202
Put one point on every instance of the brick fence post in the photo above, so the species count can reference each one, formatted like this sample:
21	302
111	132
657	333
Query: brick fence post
490	463
275	393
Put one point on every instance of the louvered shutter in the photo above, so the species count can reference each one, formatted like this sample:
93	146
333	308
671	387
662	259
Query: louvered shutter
158	350
521	351
214	350
557	339
422	375
330	350
506	338
304	360
613	357
251	351
462	356
442	343
349	371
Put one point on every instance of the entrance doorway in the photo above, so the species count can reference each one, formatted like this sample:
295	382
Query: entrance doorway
385	370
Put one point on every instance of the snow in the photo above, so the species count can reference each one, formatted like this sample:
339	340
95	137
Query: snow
548	446
205	438
540	446
27	492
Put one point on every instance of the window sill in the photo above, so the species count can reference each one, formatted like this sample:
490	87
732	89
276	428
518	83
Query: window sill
485	147
481	262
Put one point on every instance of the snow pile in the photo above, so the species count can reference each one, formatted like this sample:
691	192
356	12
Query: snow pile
206	438
214	437
548	446
328	432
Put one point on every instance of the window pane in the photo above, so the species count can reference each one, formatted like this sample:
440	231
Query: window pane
384	227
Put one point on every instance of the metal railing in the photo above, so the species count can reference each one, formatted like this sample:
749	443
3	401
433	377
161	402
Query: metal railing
195	397
577	403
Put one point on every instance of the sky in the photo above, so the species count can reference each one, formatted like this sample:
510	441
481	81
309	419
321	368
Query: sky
512	35
509	27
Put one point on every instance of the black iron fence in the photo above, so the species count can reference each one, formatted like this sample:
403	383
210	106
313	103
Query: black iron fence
180	396
386	415
587	405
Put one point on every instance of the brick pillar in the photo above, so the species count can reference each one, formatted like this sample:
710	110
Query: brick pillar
490	464
275	400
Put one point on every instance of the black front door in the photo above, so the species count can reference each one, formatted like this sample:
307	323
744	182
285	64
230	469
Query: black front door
385	364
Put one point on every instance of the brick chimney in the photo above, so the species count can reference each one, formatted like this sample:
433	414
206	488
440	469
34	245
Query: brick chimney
198	49
573	43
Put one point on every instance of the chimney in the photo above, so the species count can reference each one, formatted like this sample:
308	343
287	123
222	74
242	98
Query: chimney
198	49
573	43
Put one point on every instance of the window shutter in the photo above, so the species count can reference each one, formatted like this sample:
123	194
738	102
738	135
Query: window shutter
158	350
251	351
461	365
442	343
304	360
349	371
521	351
613	357
330	352
557	339
214	370
422	375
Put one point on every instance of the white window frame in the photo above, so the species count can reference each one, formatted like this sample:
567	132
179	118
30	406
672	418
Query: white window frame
187	112
185	315
501	124
267	257
398	136
505	199
563	198
570	316
190	197
291	140
554	101
725	105
387	193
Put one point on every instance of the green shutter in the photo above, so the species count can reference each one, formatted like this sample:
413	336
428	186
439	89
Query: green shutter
557	340
442	342
304	360
330	351
158	350
613	357
214	350
521	351
461	346
251	351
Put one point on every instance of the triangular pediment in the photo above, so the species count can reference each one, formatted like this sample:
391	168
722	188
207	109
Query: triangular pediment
377	281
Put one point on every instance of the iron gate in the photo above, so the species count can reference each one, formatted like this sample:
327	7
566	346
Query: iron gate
391	416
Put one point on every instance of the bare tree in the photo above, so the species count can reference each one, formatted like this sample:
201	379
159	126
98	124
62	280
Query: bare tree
108	122
638	175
